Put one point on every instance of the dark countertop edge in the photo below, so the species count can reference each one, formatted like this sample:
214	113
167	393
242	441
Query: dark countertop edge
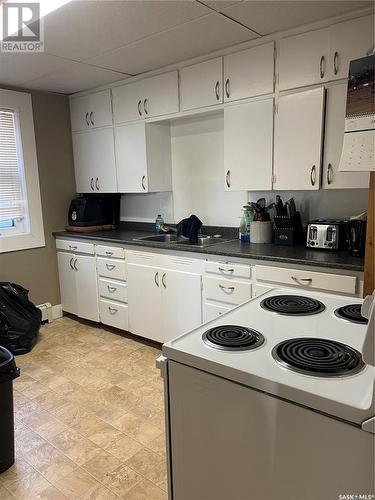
211	250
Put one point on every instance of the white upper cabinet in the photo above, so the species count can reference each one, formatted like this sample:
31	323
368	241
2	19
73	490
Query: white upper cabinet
91	111
349	40
334	135
249	72
248	142
127	102
154	96
143	157
94	161
298	140
160	95
303	59
201	84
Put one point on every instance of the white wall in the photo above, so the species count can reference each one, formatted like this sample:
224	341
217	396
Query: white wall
198	184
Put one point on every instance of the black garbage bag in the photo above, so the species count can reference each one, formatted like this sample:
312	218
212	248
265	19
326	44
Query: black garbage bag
20	319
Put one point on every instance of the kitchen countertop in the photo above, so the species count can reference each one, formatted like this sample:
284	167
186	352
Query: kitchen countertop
234	248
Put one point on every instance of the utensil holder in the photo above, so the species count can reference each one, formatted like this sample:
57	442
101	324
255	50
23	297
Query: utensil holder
288	229
261	231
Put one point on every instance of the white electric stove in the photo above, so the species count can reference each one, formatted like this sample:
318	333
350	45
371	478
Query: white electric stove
272	401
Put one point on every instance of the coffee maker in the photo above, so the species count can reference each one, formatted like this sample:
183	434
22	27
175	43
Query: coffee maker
356	231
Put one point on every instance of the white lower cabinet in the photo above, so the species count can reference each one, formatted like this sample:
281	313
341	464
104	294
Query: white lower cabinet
163	303
225	286
78	285
114	314
67	276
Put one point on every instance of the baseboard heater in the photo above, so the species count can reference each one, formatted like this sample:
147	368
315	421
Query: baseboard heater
46	309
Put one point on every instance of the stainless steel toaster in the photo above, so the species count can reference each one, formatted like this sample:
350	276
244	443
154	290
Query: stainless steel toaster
326	234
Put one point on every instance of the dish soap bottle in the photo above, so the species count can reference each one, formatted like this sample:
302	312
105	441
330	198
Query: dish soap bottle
244	230
159	223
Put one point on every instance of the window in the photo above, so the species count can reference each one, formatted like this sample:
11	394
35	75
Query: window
13	203
21	224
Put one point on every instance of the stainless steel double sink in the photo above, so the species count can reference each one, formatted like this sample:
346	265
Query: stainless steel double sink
203	241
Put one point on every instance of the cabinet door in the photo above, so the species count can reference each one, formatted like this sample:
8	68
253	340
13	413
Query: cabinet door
94	161
334	135
248	140
91	111
182	302
127	102
131	160
249	72
87	287
145	302
160	94
67	278
201	84
303	59
349	40
298	140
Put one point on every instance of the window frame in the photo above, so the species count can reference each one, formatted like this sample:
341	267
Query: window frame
21	103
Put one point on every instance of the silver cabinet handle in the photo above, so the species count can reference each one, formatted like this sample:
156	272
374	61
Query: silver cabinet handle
97	184
72	247
87	119
329	173
227	87
145	106
302	281
227	178
313	175
222	270
139	107
75	264
112	310
227	289
321	66
111	289
336	63
163	280
92	118
143	182
92	183
217	90
109	253
156	279
110	267
71	263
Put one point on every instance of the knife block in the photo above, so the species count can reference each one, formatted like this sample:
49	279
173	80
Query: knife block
288	229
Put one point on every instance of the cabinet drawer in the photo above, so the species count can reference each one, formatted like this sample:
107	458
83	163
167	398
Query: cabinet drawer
229	291
75	246
307	279
106	251
114	314
213	311
228	270
114	290
111	268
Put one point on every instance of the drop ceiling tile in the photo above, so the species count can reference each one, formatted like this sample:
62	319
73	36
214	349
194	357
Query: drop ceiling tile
75	77
186	41
267	17
82	29
219	5
15	69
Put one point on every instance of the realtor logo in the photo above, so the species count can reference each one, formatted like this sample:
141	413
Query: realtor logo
21	27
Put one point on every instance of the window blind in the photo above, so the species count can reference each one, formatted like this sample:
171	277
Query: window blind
12	203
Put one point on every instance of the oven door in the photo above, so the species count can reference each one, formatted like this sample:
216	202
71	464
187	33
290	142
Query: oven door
228	441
